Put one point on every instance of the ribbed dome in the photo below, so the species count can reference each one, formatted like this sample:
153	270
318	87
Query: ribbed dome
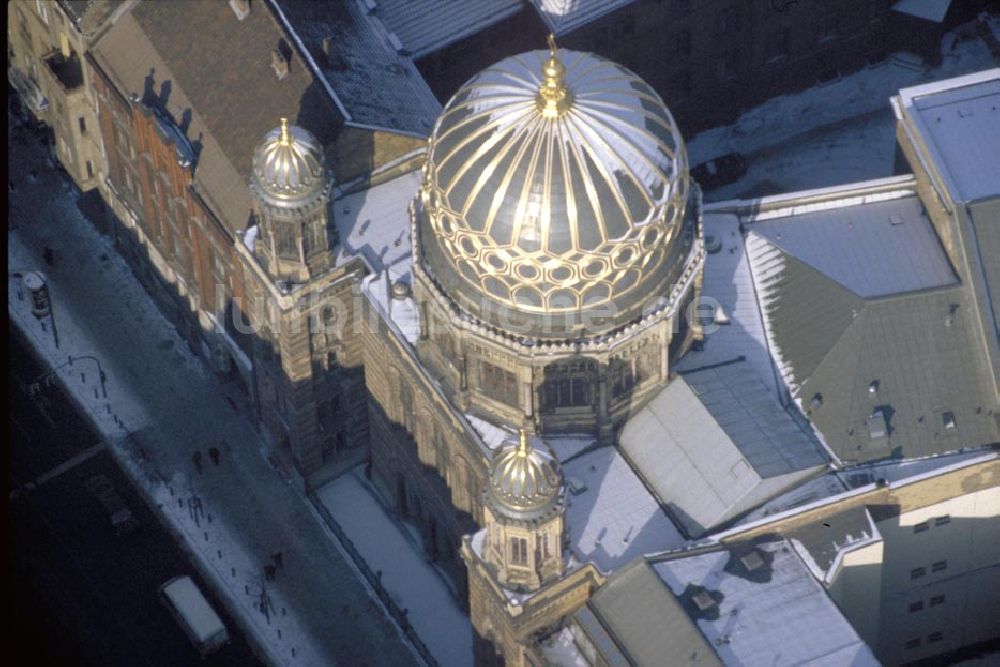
523	479
288	167
555	184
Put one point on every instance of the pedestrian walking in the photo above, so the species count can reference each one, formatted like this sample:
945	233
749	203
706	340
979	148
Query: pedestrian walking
196	460
278	560
214	454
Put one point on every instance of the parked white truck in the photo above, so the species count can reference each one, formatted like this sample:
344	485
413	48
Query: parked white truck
194	614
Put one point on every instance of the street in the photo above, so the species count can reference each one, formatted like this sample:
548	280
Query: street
79	593
162	406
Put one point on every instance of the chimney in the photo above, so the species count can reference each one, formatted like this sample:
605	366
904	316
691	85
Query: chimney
241	8
280	64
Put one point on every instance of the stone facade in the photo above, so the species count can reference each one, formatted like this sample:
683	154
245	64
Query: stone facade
46	49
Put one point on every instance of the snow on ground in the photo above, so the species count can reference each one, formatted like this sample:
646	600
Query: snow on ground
838	132
174	496
161	407
412	582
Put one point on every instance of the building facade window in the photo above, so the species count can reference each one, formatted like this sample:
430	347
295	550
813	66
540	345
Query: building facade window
83	124
935	637
498	383
913	643
921	527
90	169
937	600
916	606
918	572
518	551
942	520
568	385
939	566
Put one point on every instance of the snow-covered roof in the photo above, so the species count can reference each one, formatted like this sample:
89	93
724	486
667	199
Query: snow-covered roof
714	443
931	10
614	519
959	122
873	249
375	223
563	16
727	281
492	434
401	311
368	78
426	26
786	618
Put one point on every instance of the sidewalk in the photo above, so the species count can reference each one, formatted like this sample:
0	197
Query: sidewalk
410	580
161	407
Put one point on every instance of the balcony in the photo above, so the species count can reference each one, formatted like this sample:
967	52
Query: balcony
68	72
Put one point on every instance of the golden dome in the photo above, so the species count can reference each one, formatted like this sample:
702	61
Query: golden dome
288	167
524	483
555	184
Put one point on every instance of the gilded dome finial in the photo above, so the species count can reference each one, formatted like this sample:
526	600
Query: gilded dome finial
553	98
522	444
286	137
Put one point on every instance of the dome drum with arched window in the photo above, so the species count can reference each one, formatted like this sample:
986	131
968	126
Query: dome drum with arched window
554	196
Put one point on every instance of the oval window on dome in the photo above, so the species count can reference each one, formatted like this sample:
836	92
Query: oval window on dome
561	273
496	262
528	271
650	237
467	245
624	256
594	269
446	226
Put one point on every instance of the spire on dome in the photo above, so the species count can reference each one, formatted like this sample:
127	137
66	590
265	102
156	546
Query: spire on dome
553	97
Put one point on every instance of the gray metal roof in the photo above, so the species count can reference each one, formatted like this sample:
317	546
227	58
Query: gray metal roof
910	357
714	443
959	120
644	620
426	26
375	85
872	249
776	615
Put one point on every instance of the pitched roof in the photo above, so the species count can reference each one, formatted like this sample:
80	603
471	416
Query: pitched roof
714	443
564	16
884	247
644	620
370	80
776	614
426	26
221	77
893	375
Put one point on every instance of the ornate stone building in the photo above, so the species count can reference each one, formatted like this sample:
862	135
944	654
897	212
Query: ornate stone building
556	248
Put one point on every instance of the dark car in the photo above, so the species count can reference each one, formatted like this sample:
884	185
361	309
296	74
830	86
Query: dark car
103	491
719	171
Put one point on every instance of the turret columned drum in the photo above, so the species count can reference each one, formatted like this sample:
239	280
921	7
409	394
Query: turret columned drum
554	196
